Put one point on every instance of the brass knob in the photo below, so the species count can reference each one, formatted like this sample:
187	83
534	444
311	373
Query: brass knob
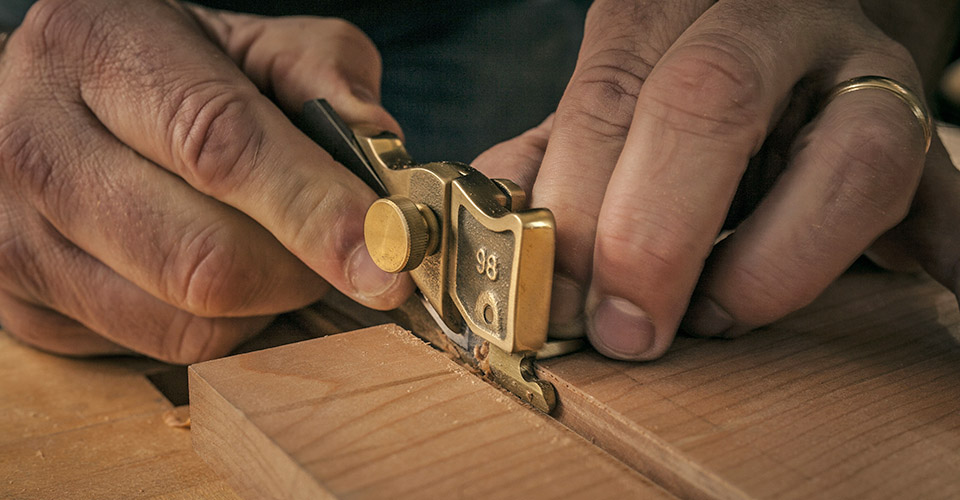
399	233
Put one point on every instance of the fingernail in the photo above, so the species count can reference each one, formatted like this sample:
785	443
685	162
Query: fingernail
368	279
706	318
566	308
364	94
620	329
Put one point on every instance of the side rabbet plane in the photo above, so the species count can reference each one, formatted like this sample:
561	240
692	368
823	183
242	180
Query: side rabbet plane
482	261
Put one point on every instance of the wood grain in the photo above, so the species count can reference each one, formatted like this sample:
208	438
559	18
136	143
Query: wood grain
135	457
92	429
378	414
856	396
97	428
44	393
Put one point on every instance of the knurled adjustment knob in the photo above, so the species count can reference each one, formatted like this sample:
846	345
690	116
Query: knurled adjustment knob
399	233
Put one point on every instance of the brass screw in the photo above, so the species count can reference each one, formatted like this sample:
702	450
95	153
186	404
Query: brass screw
399	233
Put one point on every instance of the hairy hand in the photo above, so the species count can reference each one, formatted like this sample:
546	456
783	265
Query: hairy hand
154	199
684	117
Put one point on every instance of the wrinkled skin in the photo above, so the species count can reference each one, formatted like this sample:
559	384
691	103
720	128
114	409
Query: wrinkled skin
686	117
153	200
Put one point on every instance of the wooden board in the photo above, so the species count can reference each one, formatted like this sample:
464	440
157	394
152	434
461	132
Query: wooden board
378	414
136	457
818	404
44	393
856	396
92	429
98	428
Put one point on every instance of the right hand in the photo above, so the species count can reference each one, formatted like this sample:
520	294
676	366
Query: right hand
153	200
686	118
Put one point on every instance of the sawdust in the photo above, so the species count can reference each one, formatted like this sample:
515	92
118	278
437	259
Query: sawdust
172	418
481	352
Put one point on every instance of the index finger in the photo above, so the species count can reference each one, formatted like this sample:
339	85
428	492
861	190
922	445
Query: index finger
701	115
622	40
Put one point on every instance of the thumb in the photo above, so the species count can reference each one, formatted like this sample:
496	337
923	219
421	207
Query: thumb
203	121
517	159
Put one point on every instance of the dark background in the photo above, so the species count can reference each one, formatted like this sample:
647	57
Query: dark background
458	76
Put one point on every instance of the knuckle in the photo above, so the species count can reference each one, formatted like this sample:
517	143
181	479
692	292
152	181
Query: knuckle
353	49
619	19
215	136
606	10
332	77
206	277
327	220
190	339
22	159
347	34
31	164
636	239
47	330
31	265
605	90
58	24
710	87
354	63
769	291
13	256
898	53
345	30
877	174
18	267
872	42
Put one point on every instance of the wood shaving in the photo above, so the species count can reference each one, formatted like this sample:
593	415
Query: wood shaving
173	419
481	352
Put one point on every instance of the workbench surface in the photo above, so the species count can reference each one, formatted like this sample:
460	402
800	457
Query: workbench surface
856	395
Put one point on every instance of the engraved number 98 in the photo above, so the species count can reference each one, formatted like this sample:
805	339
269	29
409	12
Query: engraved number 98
487	264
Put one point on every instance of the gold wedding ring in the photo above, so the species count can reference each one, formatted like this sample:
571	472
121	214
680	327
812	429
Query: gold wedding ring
894	87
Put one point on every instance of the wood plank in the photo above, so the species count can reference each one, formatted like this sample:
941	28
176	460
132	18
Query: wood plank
41	393
856	396
135	457
91	429
378	414
95	428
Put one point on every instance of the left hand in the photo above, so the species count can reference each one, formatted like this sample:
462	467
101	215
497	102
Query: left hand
153	199
683	116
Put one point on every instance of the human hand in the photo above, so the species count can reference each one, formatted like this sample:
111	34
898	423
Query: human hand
153	200
682	119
